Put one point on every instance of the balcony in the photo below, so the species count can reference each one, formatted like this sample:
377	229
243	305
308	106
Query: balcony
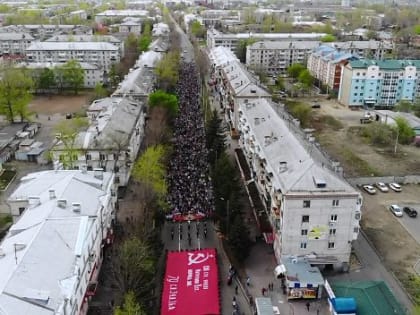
91	289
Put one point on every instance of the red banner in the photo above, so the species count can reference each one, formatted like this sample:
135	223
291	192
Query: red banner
191	284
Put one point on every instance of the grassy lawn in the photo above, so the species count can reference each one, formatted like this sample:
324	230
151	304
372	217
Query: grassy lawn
5	219
5	178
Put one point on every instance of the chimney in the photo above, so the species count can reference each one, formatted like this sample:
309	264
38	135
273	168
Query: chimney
52	193
62	203
282	167
76	207
34	201
98	173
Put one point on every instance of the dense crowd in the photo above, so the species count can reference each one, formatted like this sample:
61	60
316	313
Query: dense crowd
190	190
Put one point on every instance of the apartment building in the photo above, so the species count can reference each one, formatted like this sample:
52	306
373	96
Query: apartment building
139	82
112	15
216	38
130	25
325	64
43	31
213	17
232	83
89	38
314	213
111	142
14	44
81	14
274	57
93	75
51	257
104	55
379	83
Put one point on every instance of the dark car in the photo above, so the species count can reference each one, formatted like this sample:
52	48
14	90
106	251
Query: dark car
412	213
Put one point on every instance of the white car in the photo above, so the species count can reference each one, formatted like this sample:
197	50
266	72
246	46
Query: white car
369	189
395	187
382	187
396	210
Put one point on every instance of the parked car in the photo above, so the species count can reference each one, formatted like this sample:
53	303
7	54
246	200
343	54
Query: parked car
396	210
382	187
411	212
369	189
395	187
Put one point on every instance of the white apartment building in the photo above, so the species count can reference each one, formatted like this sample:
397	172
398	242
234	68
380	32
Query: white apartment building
81	14
89	38
14	43
130	25
216	38
138	83
274	57
111	142
42	31
92	73
51	257
232	82
101	54
112	15
314	213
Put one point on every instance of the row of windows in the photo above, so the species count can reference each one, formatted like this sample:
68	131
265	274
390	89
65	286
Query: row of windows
333	217
307	203
304	245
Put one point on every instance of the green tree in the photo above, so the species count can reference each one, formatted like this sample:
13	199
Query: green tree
403	106
378	134
197	29
150	170
100	91
306	78
73	75
130	306
15	93
167	71
267	23
295	69
46	80
416	29
241	48
113	76
134	267
280	83
146	37
238	238
215	137
404	130
66	131
328	38
165	100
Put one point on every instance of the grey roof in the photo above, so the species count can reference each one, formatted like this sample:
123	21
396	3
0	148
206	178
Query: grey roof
112	13
84	38
300	270
113	126
8	133
389	116
15	36
41	65
277	144
53	46
140	80
267	35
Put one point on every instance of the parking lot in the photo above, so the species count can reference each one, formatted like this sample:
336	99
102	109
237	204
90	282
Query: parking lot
396	239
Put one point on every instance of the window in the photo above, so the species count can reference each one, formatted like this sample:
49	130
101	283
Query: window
88	157
102	157
304	232
21	209
303	245
333	218
333	231
335	202
306	203
305	218
357	216
331	245
356	230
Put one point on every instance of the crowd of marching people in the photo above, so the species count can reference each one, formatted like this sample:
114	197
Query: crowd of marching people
190	190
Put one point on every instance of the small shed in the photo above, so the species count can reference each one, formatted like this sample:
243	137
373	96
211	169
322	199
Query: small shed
263	306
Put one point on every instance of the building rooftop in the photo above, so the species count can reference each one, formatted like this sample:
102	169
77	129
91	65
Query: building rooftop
97	46
112	127
284	45
294	170
15	36
372	297
111	13
39	254
42	65
385	64
300	270
84	38
267	35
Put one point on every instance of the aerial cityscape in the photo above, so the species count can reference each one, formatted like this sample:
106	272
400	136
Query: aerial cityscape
209	157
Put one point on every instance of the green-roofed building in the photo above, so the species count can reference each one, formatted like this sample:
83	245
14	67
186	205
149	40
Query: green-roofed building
372	297
379	83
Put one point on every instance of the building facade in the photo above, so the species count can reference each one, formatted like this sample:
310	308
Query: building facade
12	44
377	83
231	41
111	142
313	212
101	54
52	254
274	57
